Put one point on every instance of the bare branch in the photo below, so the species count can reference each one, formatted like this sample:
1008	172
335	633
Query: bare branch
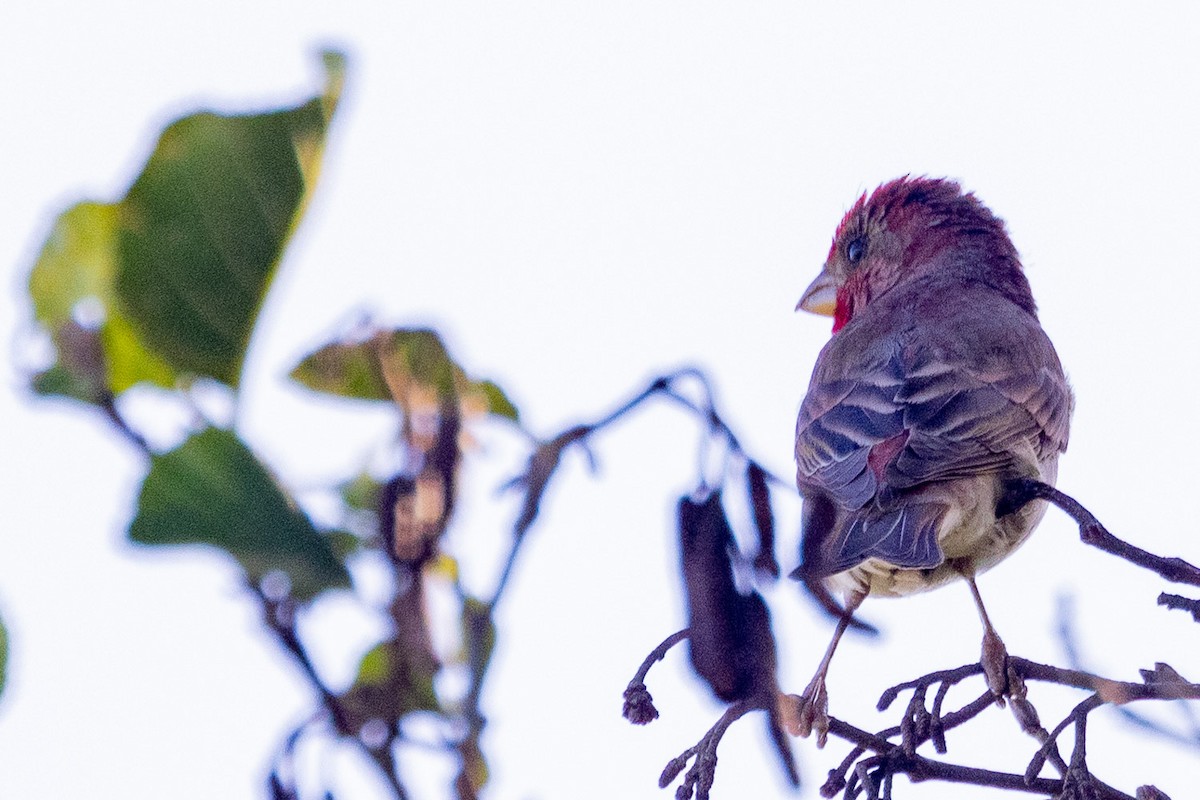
1021	491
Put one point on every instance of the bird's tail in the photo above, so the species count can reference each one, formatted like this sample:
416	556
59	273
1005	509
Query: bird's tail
905	537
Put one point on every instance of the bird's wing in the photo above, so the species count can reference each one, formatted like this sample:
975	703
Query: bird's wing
886	414
965	421
957	422
841	421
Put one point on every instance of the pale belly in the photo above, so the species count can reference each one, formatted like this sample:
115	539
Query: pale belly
971	538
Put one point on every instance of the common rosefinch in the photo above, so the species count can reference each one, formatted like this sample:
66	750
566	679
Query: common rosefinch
937	387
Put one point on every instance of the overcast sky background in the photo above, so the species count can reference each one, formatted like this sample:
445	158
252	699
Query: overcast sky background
580	195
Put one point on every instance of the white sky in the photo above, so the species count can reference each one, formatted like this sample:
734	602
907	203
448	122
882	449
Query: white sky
580	196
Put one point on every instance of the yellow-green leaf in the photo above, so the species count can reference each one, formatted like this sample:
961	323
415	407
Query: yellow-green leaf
73	278
393	679
77	262
345	369
497	401
361	492
376	666
410	366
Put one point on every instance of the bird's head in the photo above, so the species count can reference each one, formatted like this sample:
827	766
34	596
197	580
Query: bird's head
909	228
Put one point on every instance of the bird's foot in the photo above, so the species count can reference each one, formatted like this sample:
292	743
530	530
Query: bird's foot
994	661
803	714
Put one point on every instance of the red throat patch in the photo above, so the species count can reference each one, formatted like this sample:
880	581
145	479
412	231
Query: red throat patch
841	313
847	301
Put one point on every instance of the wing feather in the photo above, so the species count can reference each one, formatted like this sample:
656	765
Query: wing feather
996	402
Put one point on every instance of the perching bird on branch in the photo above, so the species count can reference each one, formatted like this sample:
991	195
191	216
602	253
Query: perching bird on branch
938	387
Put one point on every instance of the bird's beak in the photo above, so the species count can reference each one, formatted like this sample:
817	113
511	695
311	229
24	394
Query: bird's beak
821	296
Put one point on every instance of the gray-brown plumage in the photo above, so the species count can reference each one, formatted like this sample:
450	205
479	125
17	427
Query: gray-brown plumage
937	386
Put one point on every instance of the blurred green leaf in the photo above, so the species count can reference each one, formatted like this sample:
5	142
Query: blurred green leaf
349	370
392	681
361	492
343	543
57	380
497	401
128	361
203	227
443	566
375	666
418	358
212	490
473	769
173	275
408	365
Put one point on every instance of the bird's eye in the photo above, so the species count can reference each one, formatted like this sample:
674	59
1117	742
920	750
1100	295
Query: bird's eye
856	250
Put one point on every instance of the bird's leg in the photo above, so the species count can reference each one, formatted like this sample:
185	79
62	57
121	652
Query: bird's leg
994	658
810	711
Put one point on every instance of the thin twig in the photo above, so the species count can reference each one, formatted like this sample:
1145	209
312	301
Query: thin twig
901	758
108	405
278	621
544	461
658	654
700	777
920	768
639	705
1109	690
1021	491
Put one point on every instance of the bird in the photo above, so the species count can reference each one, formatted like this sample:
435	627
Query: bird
937	390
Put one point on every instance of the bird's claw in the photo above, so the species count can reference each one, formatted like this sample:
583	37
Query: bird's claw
994	661
803	714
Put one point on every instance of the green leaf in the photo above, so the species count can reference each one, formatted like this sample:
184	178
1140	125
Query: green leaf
176	271
343	543
348	370
58	380
212	490
375	666
497	401
473	769
410	366
393	679
419	357
203	227
128	362
361	493
443	566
